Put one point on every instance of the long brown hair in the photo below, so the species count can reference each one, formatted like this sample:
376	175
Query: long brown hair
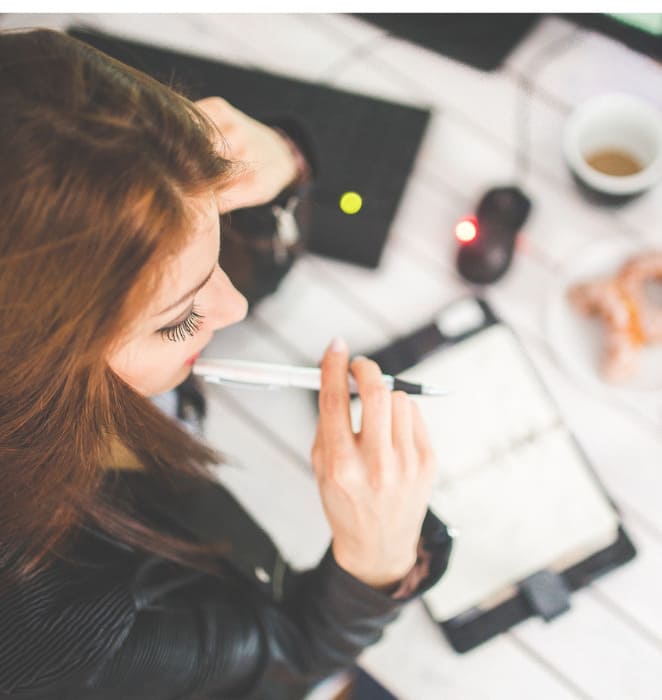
95	161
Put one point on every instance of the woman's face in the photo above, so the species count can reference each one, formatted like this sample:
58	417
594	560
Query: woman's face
195	298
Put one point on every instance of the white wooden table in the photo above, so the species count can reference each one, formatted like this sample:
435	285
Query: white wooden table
610	643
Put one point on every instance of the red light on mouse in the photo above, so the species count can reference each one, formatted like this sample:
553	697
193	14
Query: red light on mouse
466	230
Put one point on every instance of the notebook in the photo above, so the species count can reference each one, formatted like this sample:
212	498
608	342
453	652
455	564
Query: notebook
512	481
360	144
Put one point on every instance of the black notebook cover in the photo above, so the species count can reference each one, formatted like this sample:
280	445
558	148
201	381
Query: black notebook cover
482	40
360	144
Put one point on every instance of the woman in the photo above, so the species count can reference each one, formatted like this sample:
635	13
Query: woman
126	571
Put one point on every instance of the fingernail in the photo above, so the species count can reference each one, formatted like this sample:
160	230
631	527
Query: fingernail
338	345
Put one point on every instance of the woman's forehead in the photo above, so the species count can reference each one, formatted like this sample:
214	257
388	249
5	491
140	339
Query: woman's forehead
192	262
184	270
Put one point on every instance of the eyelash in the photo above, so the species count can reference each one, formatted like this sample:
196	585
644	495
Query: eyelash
189	326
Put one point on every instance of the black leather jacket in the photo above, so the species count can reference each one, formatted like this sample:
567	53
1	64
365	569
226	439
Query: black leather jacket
112	622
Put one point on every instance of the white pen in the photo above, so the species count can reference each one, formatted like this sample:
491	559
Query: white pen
273	376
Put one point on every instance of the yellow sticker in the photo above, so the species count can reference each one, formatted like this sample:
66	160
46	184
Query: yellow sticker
351	202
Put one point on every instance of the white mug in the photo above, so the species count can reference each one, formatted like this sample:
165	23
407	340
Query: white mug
615	122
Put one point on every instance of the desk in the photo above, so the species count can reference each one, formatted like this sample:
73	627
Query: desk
610	643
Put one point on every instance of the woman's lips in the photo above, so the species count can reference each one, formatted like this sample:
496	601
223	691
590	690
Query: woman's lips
191	360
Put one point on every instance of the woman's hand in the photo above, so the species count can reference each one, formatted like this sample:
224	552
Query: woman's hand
375	485
268	161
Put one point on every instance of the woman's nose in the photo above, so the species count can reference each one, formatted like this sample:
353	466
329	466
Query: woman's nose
230	306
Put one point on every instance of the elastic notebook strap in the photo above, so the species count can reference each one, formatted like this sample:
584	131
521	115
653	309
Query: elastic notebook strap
547	594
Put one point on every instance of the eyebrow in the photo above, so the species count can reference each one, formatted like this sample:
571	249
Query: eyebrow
189	294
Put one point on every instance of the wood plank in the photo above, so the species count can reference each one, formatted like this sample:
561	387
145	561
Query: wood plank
396	294
599	652
309	315
187	33
290	415
345	28
634	590
283	43
269	481
258	40
624	451
597	63
429	669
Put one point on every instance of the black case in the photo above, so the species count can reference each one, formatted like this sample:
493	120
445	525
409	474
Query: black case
361	144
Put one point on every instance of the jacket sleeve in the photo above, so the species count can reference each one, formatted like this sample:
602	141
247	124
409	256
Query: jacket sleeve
215	638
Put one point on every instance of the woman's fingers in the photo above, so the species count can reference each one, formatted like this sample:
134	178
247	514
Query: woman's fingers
403	429
220	111
265	160
374	486
234	127
375	403
335	424
426	454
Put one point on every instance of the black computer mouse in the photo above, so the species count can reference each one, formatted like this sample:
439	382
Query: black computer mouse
499	217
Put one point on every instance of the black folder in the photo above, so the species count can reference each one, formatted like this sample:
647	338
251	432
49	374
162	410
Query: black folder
545	591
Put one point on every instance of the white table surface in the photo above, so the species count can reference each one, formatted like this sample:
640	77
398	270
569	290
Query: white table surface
609	645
